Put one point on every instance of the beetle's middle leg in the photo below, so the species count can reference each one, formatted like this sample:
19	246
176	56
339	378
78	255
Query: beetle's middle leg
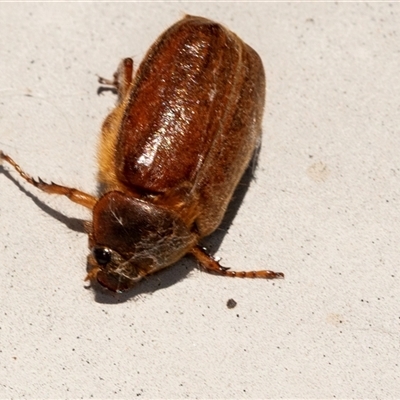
213	266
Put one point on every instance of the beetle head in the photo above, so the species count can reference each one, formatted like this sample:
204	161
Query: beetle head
132	238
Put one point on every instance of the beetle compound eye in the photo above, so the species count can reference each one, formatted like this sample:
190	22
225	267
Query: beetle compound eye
102	255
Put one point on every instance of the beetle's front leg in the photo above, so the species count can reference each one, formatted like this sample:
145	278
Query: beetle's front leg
74	195
212	266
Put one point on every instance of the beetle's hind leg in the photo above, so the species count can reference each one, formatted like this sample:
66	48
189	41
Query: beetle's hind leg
74	195
212	266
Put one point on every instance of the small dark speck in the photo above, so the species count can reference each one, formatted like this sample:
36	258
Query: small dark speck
231	303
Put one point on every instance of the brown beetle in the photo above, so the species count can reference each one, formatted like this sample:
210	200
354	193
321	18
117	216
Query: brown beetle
171	153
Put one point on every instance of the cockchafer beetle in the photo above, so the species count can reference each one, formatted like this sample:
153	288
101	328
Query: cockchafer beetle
171	153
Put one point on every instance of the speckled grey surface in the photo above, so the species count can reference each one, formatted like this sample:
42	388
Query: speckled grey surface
324	209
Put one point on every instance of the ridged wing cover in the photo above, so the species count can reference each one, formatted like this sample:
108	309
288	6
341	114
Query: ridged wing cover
193	120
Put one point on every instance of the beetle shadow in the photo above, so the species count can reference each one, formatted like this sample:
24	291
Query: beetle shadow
180	270
75	224
105	88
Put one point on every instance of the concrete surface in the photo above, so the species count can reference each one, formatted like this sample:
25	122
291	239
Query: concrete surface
324	209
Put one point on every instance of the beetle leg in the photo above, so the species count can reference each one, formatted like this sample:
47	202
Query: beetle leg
122	78
212	266
74	195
